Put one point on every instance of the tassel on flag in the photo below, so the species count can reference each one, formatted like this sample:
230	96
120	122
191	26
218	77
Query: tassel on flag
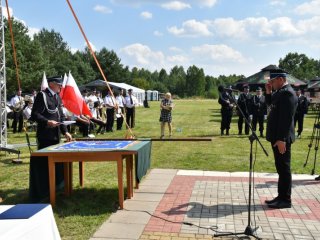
72	98
44	83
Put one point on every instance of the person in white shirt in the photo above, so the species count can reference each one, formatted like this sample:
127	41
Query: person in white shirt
130	102
17	103
27	110
120	110
109	103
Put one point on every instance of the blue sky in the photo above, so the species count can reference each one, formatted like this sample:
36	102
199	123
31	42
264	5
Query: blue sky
221	36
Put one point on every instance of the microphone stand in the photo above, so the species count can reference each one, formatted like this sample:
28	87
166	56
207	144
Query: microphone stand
249	231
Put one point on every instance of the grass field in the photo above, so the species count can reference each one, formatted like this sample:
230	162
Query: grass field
79	215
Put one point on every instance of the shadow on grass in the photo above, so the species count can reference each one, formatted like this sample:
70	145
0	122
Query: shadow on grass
82	202
87	202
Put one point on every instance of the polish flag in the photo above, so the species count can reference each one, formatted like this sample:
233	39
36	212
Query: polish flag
65	78
44	83
72	98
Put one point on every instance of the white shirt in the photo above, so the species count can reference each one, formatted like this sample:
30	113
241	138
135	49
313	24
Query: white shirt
128	101
120	100
93	98
27	112
15	100
109	101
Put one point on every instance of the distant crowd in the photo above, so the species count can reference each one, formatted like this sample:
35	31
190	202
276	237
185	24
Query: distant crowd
252	108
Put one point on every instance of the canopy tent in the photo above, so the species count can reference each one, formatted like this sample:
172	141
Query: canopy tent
101	84
259	79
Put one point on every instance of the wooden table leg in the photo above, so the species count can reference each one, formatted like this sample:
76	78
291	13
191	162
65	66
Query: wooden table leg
120	181
52	181
129	167
81	171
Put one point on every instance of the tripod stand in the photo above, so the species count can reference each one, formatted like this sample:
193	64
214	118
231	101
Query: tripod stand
249	231
315	135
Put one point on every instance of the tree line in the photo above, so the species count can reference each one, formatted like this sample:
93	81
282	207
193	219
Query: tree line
48	52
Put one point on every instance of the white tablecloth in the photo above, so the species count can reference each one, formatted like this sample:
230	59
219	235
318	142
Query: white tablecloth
39	226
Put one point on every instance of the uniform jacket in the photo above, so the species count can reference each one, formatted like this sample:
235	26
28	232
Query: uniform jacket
223	100
245	103
303	104
41	115
259	106
280	124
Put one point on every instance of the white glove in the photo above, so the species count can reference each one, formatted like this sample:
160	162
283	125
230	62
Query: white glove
265	117
250	117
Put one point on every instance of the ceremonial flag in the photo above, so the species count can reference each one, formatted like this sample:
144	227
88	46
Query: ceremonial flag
44	83
65	78
72	98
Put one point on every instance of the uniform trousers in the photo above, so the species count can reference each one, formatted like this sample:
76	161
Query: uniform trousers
240	123
17	119
258	119
130	116
299	118
226	116
282	163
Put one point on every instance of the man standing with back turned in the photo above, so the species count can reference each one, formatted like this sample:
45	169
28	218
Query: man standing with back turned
280	133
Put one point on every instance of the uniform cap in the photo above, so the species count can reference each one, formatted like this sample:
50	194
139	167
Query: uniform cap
56	79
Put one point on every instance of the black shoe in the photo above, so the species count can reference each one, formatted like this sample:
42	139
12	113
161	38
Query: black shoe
271	201
261	135
227	132
239	133
280	204
222	133
317	178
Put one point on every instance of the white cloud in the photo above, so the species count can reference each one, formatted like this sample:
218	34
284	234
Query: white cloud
5	13
191	28
146	15
178	59
207	3
94	48
175	5
142	56
312	7
102	9
157	33
175	49
278	3
32	31
219	53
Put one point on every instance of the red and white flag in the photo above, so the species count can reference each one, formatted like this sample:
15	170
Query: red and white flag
65	78
44	83
72	98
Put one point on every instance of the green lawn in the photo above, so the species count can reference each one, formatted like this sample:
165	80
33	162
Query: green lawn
79	215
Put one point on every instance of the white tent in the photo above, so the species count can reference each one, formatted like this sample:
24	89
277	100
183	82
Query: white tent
137	92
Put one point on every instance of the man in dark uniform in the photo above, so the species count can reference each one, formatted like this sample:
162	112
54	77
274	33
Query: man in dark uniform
259	111
226	102
280	132
302	109
245	104
48	114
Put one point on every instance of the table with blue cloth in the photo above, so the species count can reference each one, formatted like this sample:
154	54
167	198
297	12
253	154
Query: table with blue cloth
98	151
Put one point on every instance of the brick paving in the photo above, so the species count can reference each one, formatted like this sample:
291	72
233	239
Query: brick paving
216	201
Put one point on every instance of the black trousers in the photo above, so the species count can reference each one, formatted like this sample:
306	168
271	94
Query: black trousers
241	121
130	116
258	119
282	163
17	119
110	119
299	118
120	120
39	174
226	117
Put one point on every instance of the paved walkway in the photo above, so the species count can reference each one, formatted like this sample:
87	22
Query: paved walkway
190	205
